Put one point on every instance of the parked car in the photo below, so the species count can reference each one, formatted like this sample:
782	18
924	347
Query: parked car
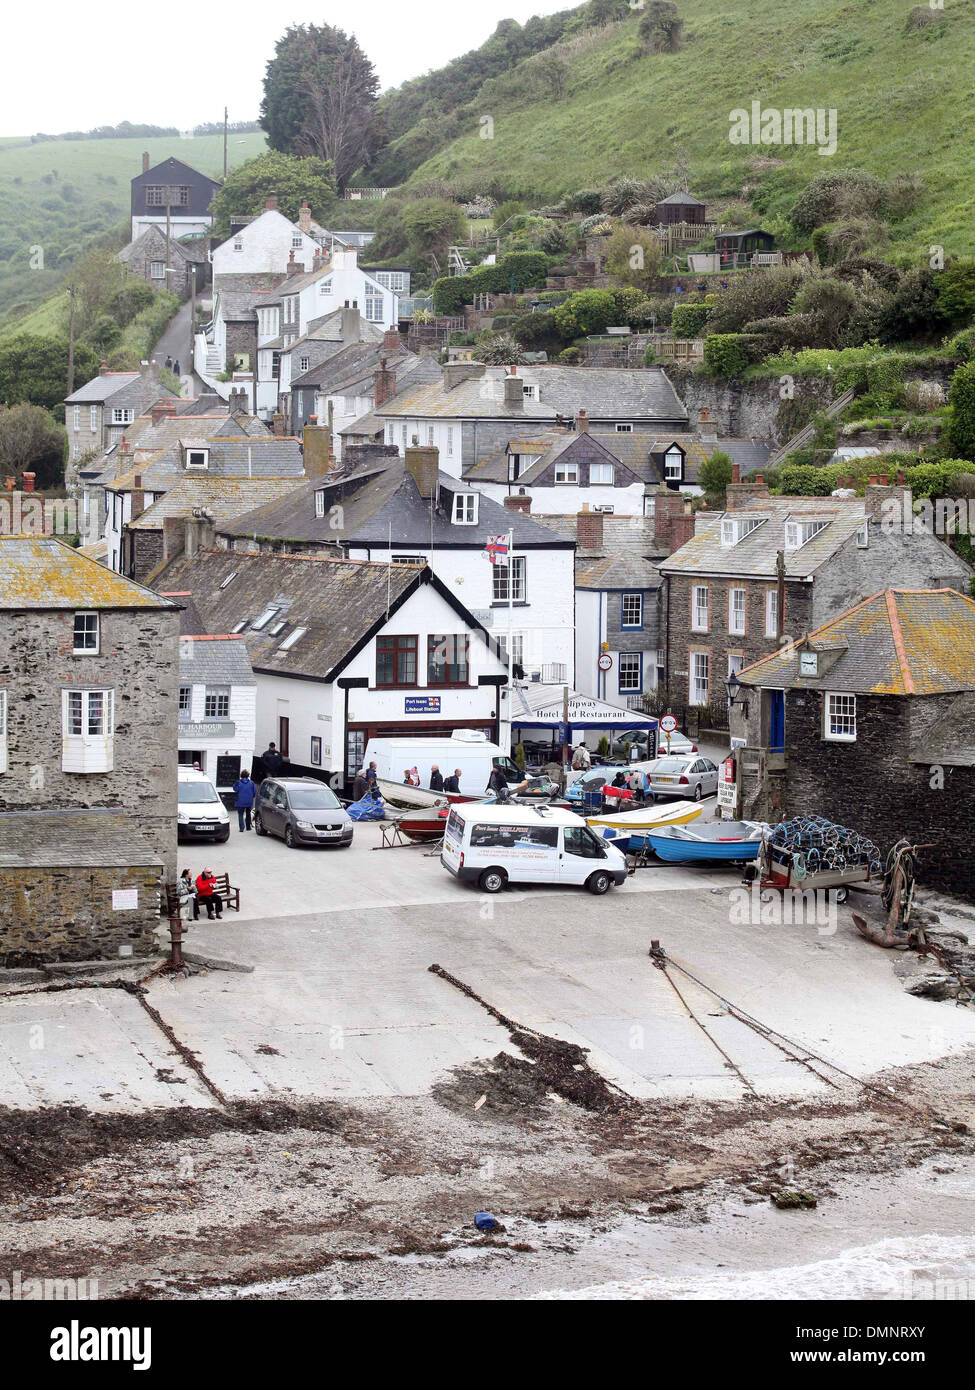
302	811
590	781
692	776
651	744
200	814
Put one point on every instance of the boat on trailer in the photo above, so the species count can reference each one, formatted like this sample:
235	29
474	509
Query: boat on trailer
720	841
628	829
409	798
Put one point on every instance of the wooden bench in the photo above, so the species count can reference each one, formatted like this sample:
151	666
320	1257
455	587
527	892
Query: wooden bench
225	891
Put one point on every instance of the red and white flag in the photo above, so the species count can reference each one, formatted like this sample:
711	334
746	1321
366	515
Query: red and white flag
497	549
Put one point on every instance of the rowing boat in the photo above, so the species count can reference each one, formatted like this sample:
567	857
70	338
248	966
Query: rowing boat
632	826
725	841
408	798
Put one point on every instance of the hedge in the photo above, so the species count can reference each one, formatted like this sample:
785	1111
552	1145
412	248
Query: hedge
514	273
687	320
725	354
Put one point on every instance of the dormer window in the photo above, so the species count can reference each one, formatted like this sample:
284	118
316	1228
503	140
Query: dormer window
735	528
566	473
797	533
863	536
197	458
530	393
465	509
673	466
320	503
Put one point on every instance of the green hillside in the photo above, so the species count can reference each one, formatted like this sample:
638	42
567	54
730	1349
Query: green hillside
64	195
598	104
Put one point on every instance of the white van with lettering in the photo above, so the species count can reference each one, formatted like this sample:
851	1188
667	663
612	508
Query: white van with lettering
493	846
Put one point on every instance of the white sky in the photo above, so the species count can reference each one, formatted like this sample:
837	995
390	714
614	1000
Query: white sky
72	66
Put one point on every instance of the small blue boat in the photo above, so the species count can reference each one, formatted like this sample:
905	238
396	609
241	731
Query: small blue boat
728	841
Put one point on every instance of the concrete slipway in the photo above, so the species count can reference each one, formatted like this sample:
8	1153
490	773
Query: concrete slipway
341	1003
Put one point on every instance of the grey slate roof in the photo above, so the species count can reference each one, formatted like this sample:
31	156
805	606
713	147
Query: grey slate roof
41	572
681	198
100	388
754	555
97	838
224	498
354	363
338	602
270	456
627	559
214	660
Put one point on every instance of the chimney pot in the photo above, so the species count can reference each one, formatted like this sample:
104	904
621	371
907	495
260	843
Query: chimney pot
29	479
103	368
883	479
874	479
589	530
736	473
145	161
271	203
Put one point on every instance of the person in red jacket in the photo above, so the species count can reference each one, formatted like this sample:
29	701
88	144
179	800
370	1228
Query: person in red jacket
206	897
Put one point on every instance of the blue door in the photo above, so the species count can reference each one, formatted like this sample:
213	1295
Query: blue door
776	733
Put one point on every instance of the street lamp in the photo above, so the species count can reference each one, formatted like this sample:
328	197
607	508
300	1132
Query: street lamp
733	686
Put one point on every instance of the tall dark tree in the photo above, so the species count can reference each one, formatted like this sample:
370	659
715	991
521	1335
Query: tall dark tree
320	99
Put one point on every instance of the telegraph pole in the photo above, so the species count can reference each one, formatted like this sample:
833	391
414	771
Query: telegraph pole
71	292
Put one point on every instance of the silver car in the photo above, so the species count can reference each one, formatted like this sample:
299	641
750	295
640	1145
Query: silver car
303	811
693	777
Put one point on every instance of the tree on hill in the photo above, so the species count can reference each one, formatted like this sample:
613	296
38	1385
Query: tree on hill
34	369
30	438
320	99
292	179
961	418
714	475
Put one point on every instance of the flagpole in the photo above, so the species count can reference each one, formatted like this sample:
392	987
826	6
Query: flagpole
511	640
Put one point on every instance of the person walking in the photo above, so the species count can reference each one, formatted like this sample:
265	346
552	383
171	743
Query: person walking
452	784
176	371
244	793
187	895
272	760
436	779
371	772
205	894
581	761
361	785
169	363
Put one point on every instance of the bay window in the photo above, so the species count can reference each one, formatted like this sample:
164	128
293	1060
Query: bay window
88	731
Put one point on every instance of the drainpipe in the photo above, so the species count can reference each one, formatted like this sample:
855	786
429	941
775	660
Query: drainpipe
780	594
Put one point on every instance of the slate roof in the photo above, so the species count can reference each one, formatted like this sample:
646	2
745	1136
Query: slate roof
357	362
897	642
338	602
754	555
625	560
101	387
224	499
40	572
272	456
681	198
214	660
96	838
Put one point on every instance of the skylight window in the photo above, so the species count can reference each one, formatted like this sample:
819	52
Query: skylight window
240	626
230	578
278	627
261	623
292	638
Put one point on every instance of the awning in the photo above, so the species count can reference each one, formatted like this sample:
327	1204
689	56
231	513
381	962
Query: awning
537	706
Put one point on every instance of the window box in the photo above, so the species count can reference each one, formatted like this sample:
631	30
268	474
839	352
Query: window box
88	731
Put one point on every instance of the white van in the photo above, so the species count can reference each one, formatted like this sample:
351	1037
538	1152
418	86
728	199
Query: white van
467	749
201	815
494	845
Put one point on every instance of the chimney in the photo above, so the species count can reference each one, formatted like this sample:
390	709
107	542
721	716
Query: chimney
28	480
295	267
237	401
138	497
351	325
316	448
706	428
161	410
174	536
681	531
125	455
304	218
391	340
271	203
456	372
423	463
668	504
385	387
520	502
582	422
589	530
198	533
103	368
514	391
277	424
888	502
736	473
737	494
145	161
152	369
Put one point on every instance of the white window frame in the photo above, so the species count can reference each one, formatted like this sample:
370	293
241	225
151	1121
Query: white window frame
93	419
77	417
698	608
631	626
216	702
771	613
325	287
374	308
696	684
92	626
735	662
634	682
624	428
184	706
297	241
795	533
464	511
450	439
320	503
566	472
157	270
846	716
201	454
238	244
737	611
83	749
597	476
121	415
863	535
736	528
673	460
499	586
304	365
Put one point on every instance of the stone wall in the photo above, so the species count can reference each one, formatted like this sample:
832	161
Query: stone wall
52	914
139	660
753	410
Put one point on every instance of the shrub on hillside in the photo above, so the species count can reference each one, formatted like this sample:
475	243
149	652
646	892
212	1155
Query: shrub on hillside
502	350
571	356
962	345
805	480
586	311
634	257
725	354
961	411
956	293
584	200
923	17
687	320
914	311
451	293
596	225
661	27
757	295
837	194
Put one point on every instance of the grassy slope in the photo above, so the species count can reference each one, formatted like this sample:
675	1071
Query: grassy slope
903	102
87	197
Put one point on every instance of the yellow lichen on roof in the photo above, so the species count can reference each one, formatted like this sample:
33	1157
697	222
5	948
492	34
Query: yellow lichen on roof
38	572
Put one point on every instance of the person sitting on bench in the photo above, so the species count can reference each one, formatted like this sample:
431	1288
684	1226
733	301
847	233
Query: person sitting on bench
206	897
